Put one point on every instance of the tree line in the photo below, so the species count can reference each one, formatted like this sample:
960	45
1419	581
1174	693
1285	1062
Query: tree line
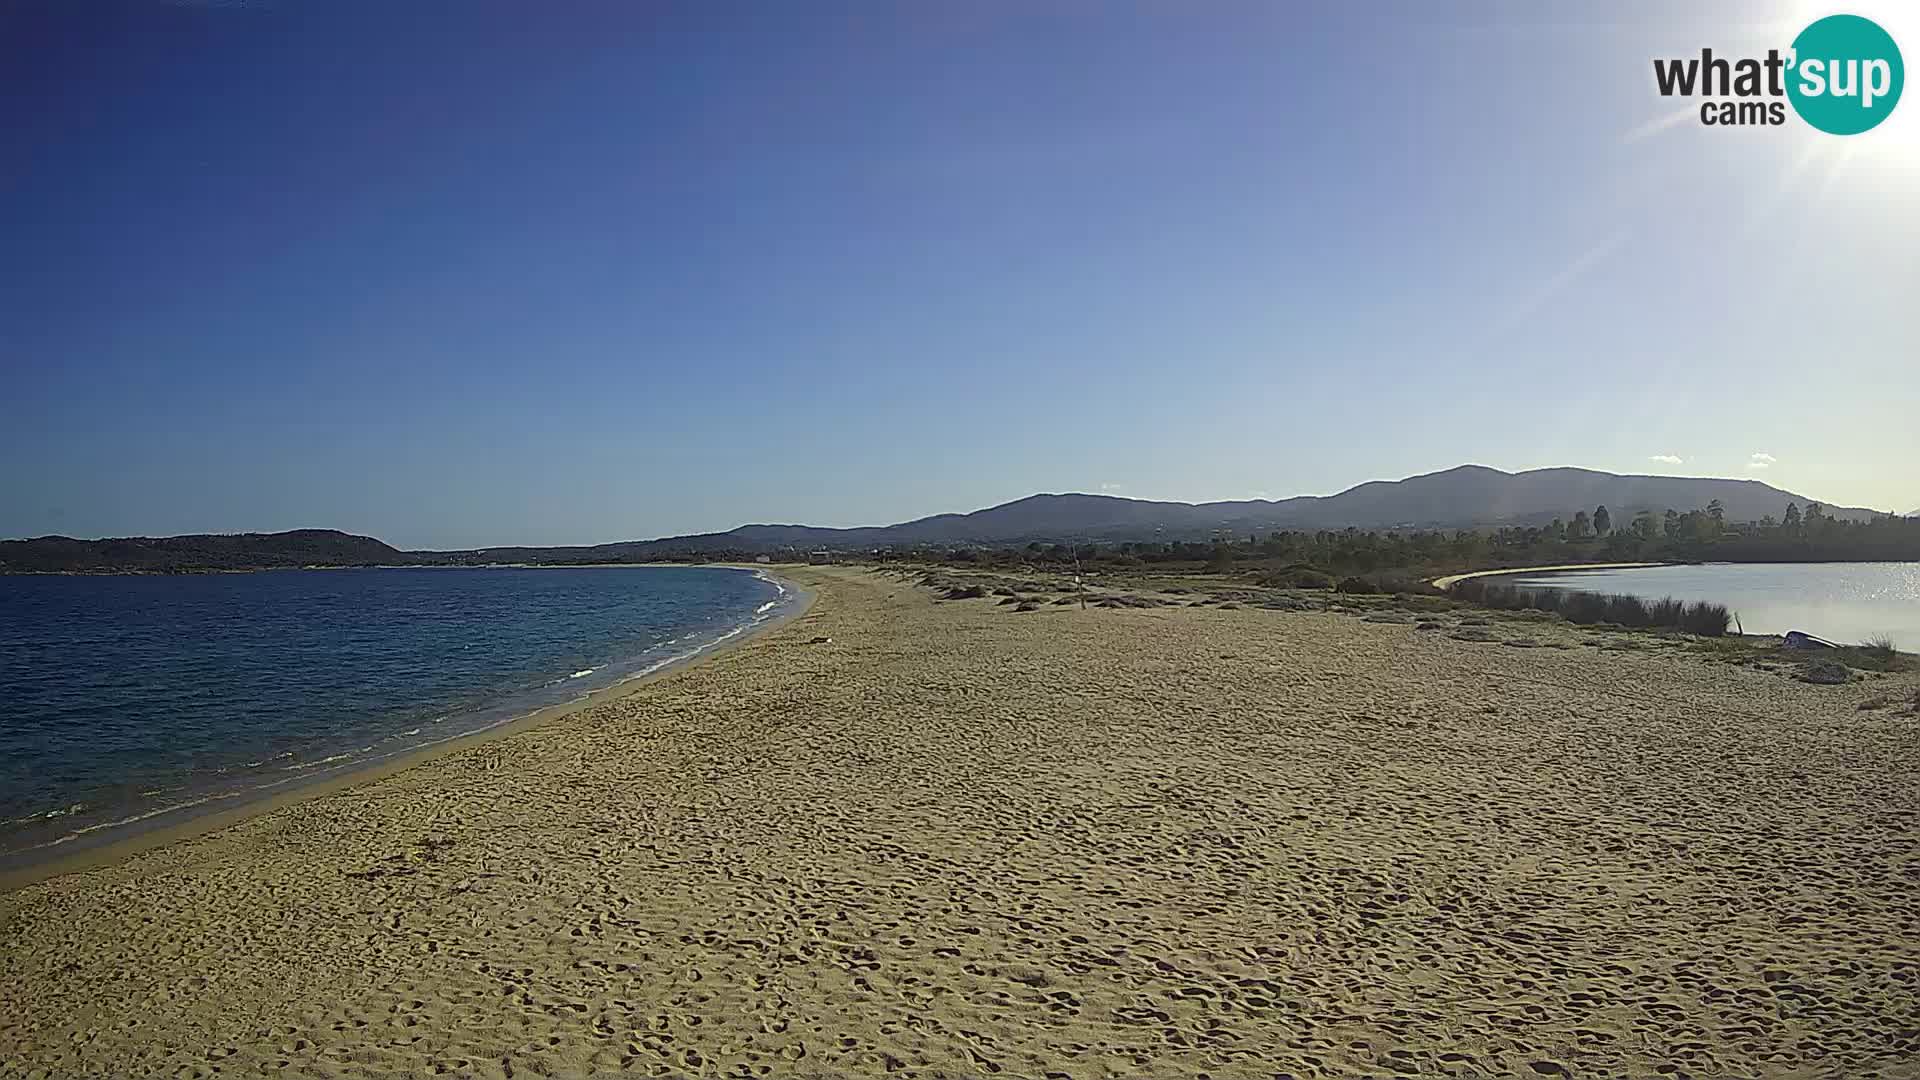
1698	535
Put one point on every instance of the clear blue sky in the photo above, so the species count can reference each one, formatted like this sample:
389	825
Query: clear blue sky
458	274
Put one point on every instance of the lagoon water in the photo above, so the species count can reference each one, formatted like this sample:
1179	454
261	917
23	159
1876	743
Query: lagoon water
1843	602
131	701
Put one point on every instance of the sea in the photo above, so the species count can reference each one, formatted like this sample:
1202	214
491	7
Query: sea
134	701
1847	603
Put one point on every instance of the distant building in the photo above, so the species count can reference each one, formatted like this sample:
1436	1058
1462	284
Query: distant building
819	555
763	558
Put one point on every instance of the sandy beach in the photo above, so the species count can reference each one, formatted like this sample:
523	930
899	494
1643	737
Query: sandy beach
916	838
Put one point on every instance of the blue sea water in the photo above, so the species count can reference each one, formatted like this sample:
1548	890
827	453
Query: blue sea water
133	701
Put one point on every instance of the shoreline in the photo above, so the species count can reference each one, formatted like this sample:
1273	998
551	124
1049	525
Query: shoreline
194	826
215	571
1450	580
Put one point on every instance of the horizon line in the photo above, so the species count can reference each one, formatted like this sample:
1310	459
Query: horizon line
1112	494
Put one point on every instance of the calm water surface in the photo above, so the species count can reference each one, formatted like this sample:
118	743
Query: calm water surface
133	701
1843	602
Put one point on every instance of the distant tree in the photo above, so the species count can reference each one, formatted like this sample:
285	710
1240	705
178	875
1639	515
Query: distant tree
1602	521
1717	511
1582	526
1646	526
1556	529
1672	524
1792	520
1700	526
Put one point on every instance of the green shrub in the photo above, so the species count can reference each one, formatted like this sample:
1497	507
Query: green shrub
1296	578
1626	611
1585	608
1706	619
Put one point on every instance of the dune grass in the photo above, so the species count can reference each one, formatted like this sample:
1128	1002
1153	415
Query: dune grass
1880	648
1588	608
1877	654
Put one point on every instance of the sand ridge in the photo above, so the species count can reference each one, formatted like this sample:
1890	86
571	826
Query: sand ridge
956	840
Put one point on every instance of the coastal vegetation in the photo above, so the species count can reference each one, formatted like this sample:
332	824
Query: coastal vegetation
1588	608
1403	562
1474	610
1398	560
203	553
1395	558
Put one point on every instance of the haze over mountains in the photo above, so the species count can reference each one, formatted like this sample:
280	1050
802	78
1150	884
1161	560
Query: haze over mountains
1467	496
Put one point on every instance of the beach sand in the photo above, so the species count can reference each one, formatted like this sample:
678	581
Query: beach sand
956	840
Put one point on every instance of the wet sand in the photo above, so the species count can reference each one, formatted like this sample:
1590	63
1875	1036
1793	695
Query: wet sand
957	840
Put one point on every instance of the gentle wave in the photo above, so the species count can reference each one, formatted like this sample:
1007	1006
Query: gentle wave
315	764
76	834
222	783
48	815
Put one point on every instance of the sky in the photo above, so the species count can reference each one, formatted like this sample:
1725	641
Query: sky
469	274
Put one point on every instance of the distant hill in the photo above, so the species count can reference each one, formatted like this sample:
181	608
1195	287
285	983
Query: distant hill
1475	495
173	554
1463	497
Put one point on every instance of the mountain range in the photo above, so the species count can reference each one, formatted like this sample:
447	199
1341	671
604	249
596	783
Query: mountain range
1462	497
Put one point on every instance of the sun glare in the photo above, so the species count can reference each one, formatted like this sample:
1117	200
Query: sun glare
1893	148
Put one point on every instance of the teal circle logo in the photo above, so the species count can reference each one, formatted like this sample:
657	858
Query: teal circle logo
1846	74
